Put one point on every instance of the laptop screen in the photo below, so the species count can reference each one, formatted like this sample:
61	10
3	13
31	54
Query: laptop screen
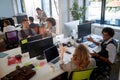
51	53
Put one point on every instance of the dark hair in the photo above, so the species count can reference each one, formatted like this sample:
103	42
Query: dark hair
24	19
38	9
31	19
51	20
7	22
109	30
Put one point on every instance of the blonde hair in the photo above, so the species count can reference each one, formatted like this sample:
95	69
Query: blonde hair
81	57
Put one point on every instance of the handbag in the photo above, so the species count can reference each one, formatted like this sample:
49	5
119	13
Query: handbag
24	73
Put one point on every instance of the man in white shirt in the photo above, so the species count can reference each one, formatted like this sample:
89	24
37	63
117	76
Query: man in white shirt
107	54
8	27
108	46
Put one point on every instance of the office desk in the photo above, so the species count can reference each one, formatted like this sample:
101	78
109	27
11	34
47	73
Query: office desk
46	72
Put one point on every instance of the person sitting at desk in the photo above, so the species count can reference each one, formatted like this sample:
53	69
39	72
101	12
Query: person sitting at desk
107	54
33	25
7	26
26	31
81	59
51	26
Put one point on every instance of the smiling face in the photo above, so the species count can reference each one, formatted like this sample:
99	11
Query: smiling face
106	36
25	24
107	33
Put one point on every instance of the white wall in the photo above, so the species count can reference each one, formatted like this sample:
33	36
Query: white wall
65	14
6	8
97	28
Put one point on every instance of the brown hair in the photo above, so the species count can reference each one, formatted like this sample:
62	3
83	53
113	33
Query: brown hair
51	20
24	19
81	57
7	22
108	30
38	9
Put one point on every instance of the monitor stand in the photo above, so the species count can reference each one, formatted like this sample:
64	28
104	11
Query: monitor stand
40	57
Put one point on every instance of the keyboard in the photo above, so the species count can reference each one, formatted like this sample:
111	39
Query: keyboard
92	45
55	60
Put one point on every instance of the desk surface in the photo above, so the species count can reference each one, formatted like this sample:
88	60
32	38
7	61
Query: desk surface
44	73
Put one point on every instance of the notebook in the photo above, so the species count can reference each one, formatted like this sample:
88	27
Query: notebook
52	55
2	55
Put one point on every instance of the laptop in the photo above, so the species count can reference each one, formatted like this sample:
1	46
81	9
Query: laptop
52	55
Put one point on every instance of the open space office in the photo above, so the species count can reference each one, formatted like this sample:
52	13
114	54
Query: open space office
75	22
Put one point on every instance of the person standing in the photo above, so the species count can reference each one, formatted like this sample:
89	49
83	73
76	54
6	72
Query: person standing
41	15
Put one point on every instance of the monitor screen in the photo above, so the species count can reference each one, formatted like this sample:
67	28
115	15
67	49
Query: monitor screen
37	47
51	53
36	37
18	18
24	42
84	29
69	26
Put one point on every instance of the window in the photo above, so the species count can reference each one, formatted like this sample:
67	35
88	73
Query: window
46	7
94	10
112	12
55	10
23	6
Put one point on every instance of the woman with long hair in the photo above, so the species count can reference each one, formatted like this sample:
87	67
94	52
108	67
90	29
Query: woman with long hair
81	59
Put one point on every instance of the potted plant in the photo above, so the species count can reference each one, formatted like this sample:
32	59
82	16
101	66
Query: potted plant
77	12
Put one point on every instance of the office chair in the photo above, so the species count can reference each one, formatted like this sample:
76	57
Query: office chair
81	75
12	40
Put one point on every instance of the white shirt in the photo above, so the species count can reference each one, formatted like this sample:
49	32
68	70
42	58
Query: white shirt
112	51
9	28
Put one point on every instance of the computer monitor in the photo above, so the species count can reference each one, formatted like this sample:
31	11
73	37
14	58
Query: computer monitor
37	47
84	29
69	26
24	42
18	19
35	37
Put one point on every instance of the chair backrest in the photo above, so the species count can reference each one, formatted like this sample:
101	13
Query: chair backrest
12	36
81	75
